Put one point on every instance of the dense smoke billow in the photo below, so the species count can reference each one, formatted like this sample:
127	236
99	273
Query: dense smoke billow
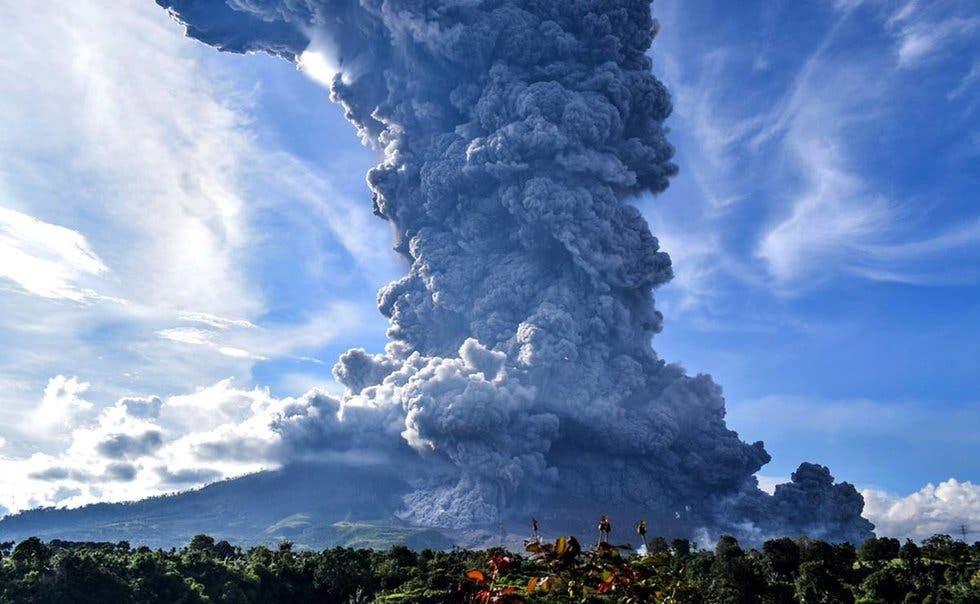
520	366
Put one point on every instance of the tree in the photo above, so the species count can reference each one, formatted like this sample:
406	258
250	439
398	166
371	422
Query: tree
844	558
735	577
657	545
877	550
944	548
339	573
910	553
681	547
817	585
885	585
31	553
782	556
223	550
728	548
201	543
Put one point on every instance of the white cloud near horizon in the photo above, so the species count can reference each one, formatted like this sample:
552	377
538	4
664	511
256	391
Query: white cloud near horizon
942	508
933	509
142	447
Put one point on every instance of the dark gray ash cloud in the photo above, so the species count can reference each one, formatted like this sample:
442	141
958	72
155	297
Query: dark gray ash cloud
520	366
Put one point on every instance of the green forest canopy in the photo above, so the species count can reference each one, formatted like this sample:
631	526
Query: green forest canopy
882	570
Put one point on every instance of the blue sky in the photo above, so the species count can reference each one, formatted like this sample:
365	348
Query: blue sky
825	228
180	223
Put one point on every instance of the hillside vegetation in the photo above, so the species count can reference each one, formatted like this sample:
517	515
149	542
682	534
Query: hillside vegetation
941	570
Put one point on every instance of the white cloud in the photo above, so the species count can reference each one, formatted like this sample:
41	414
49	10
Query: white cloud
903	13
198	337
768	483
847	5
231	351
925	30
131	171
789	158
319	61
142	447
824	211
834	221
298	383
796	166
212	320
215	405
941	508
185	336
45	259
247	340
919	40
830	218
121	150
61	406
931	510
141	144
717	135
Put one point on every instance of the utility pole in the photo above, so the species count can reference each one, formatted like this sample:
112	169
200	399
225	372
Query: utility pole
964	532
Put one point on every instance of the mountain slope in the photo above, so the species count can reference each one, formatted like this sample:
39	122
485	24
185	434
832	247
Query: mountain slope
312	505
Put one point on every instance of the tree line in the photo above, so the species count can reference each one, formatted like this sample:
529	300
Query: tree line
882	570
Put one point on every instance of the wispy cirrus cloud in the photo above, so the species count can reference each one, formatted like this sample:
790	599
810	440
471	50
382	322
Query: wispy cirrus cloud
212	320
779	192
924	30
145	161
46	259
260	342
131	170
312	331
120	168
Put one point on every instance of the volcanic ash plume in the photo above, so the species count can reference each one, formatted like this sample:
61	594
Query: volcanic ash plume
520	367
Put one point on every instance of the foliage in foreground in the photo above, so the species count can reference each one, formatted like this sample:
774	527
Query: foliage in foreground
784	570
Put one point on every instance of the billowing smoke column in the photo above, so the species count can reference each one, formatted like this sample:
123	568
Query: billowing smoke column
520	367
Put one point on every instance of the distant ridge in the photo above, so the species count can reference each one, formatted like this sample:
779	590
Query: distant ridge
312	505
